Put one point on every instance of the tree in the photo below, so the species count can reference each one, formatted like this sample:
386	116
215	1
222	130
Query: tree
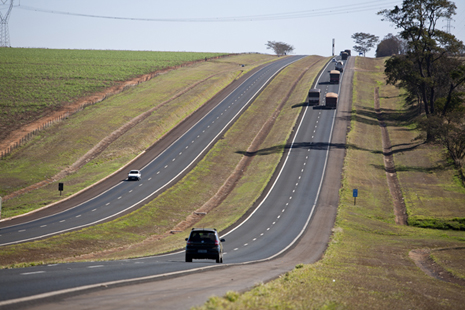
391	45
280	48
364	41
427	46
449	131
432	72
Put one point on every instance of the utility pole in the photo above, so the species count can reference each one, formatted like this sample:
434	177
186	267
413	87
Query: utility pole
448	26
4	32
333	46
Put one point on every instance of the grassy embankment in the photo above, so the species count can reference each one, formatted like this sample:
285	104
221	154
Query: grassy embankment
142	228
59	146
367	263
34	81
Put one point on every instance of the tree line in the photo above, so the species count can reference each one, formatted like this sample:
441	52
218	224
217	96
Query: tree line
428	64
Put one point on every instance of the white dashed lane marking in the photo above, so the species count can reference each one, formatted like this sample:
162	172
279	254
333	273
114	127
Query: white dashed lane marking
30	273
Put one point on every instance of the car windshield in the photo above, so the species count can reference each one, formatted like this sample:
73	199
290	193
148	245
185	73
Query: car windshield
134	171
199	236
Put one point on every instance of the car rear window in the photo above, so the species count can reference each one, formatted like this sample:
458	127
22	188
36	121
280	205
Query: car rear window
206	236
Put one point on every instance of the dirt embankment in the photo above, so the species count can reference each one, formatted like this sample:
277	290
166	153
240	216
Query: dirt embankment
400	211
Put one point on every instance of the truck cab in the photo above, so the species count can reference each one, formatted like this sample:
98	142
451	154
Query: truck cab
314	96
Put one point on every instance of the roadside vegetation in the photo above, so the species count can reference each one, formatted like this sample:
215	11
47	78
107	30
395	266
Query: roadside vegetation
37	81
367	263
147	230
431	71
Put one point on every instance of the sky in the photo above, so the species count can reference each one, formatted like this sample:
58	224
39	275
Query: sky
238	26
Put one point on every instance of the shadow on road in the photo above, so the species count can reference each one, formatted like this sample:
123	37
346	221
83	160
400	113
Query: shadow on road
323	146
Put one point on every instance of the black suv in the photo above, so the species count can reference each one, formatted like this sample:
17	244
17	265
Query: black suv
204	243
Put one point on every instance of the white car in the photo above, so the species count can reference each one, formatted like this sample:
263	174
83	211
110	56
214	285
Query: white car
134	175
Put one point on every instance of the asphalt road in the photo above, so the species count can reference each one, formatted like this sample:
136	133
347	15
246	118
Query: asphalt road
281	220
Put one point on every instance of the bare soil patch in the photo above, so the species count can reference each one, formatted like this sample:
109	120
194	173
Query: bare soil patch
400	210
422	258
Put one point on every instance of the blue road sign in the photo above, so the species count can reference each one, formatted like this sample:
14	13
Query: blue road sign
355	192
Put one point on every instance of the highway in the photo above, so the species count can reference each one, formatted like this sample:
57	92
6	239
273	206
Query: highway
157	175
272	228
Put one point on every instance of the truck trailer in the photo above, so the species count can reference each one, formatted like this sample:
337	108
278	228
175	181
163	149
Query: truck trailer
314	96
331	100
334	76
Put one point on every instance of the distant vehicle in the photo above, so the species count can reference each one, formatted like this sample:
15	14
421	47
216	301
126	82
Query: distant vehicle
333	60
204	243
348	52
334	76
340	66
314	96
134	175
344	55
331	100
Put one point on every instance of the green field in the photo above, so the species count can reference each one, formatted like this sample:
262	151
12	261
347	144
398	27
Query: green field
34	81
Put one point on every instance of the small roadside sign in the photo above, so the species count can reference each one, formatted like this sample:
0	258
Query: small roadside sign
60	187
355	194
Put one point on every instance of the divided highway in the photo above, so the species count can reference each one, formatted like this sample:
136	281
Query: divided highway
158	174
272	228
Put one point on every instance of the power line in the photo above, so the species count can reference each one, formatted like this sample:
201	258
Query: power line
345	9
